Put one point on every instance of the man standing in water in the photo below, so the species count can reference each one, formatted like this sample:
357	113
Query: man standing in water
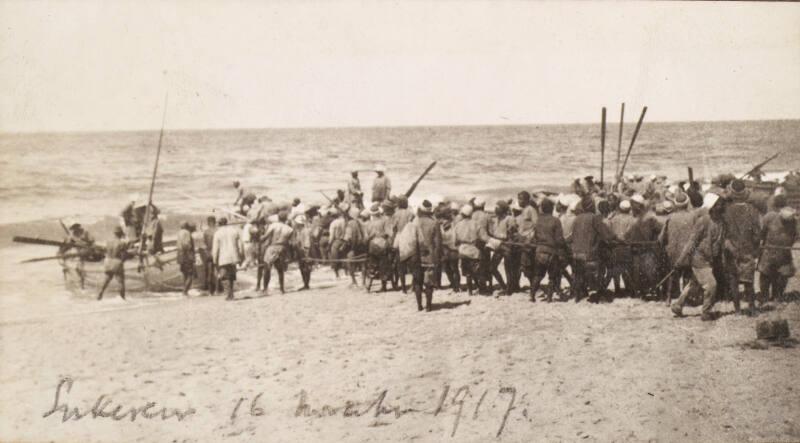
381	186
243	198
355	195
228	252
116	253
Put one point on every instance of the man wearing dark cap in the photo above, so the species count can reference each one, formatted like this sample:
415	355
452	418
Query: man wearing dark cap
550	250
429	246
116	253
743	237
588	232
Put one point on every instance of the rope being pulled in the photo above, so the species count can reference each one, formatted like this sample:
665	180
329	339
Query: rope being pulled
613	243
357	259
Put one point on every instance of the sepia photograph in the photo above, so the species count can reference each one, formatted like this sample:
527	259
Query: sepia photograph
399	221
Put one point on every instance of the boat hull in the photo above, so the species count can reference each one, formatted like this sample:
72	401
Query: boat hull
161	275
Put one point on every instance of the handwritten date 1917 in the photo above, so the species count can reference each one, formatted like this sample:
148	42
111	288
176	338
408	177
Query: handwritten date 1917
379	406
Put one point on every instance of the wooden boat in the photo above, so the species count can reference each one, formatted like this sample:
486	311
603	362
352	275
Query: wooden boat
767	188
161	274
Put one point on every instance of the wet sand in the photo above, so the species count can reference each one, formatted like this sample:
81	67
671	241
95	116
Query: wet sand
337	364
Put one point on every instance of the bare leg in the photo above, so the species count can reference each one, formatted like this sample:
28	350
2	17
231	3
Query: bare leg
281	267
187	283
105	285
122	286
230	289
267	275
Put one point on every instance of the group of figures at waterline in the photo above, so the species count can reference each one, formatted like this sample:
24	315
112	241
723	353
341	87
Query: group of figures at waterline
649	236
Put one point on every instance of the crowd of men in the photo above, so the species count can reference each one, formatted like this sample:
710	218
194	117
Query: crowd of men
648	237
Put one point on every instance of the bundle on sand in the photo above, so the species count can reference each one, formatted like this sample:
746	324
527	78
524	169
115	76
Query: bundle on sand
772	329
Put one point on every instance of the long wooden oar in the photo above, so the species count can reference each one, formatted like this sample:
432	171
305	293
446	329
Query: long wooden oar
55	257
37	241
152	184
602	145
63	226
619	140
414	186
633	140
760	165
48	242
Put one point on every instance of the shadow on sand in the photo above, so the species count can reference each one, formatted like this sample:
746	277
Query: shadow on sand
449	305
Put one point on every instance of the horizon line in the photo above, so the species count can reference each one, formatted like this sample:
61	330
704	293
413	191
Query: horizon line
409	126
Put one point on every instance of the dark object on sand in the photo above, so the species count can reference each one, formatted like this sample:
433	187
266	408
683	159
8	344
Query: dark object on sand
772	330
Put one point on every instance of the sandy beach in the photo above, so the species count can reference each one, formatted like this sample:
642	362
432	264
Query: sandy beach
338	364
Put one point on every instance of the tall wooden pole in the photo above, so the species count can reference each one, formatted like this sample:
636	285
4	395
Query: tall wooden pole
619	141
602	145
152	183
633	140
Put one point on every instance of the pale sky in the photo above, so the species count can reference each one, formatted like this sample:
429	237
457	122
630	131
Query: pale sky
107	65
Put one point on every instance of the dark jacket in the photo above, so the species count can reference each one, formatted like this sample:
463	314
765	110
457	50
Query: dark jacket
676	234
430	240
706	244
742	228
185	247
644	228
548	235
588	231
776	232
